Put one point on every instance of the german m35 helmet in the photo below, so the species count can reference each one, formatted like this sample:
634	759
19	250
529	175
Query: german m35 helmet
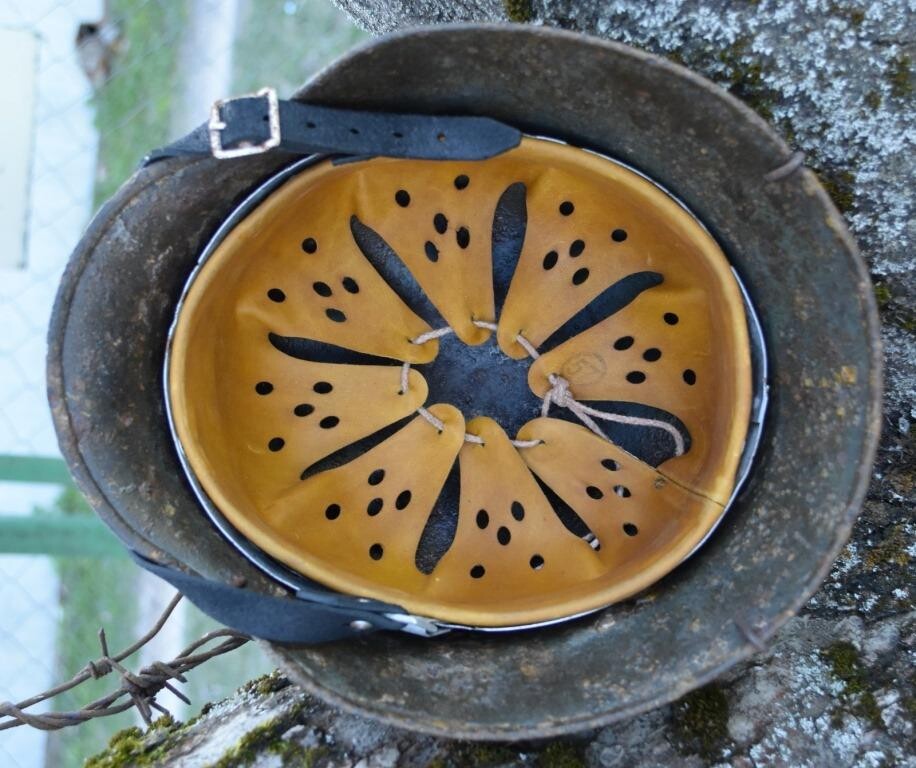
431	346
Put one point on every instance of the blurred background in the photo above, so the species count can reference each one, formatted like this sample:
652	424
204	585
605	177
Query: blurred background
90	86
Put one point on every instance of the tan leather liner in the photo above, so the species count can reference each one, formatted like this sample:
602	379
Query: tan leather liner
360	523
251	418
669	349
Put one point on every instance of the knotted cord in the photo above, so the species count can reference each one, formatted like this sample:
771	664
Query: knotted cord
558	394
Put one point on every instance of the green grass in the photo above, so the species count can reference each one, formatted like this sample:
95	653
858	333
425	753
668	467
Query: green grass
282	43
93	593
279	43
133	109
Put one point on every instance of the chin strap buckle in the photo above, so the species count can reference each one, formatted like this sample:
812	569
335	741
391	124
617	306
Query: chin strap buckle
217	125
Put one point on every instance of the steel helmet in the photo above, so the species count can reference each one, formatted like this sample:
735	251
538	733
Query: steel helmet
447	346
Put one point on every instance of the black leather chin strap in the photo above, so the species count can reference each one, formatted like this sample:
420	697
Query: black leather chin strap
261	122
313	616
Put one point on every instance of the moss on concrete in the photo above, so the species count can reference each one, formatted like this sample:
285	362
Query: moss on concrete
466	754
855	16
135	748
164	723
909	706
267	737
298	756
840	184
745	78
873	100
701	721
518	10
893	310
892	550
857	697
844	661
247	748
125	748
561	754
900	77
266	684
883	294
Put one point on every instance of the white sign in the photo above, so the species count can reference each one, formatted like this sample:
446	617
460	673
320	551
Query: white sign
19	60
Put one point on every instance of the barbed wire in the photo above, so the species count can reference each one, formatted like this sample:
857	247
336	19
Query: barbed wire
140	688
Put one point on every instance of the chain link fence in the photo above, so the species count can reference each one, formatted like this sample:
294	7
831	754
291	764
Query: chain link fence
99	83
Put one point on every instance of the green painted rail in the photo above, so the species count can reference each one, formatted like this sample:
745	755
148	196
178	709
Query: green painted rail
57	535
34	469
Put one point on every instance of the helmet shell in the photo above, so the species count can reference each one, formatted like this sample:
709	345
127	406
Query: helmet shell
799	263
